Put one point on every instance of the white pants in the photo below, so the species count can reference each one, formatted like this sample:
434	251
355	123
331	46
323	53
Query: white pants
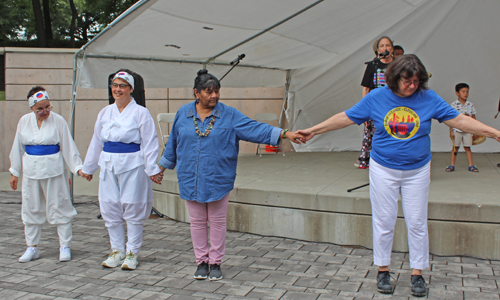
125	198
47	200
385	186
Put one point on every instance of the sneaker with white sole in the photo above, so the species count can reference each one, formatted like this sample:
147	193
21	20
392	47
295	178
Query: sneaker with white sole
202	271
115	258
130	262
215	273
30	254
64	254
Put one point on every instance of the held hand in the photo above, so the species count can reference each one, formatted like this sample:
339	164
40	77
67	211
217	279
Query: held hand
294	137
452	136
13	182
306	134
162	169
157	178
86	176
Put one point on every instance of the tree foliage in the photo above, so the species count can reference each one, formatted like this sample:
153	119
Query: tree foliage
64	23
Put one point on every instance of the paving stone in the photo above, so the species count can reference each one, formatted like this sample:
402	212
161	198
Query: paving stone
483	283
251	276
299	296
312	282
444	294
121	293
203	286
11	294
234	290
281	279
266	293
92	289
146	279
65	285
147	295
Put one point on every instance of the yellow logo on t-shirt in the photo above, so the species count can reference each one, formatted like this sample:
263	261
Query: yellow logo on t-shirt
401	123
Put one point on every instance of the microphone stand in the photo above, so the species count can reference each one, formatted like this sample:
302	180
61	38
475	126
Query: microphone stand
375	61
234	63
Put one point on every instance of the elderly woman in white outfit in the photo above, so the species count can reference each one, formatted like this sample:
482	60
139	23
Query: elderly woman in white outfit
41	146
125	147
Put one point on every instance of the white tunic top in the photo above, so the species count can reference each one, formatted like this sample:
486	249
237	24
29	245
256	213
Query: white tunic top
133	125
54	131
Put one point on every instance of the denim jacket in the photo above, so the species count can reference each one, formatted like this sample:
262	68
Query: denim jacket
206	166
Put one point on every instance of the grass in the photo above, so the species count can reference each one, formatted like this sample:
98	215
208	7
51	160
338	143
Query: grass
2	95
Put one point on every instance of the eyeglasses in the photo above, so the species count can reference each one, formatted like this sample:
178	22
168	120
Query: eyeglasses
41	110
409	82
121	85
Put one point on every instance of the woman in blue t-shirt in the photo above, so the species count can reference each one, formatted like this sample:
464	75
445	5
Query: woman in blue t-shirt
400	159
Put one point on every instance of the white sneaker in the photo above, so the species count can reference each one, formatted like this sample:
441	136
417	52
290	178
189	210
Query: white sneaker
130	261
30	254
114	259
64	254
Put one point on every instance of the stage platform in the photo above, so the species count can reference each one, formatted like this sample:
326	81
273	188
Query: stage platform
304	196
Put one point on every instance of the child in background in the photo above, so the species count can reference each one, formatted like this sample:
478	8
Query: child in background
467	108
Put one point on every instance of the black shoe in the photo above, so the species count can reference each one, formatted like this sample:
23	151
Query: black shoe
418	287
384	285
215	273
202	271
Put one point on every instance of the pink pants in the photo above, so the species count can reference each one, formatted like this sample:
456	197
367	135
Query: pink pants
216	214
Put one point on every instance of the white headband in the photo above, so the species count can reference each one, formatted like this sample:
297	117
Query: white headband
125	76
38	96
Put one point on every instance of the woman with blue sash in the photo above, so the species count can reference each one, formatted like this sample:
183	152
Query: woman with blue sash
42	145
125	148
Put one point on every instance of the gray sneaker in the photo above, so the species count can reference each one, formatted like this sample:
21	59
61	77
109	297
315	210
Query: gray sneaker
215	273
384	285
202	271
418	286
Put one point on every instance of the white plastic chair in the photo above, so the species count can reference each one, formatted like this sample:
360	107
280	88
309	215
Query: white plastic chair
268	118
165	118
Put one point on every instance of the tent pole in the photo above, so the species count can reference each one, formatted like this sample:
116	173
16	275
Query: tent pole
285	96
72	118
263	31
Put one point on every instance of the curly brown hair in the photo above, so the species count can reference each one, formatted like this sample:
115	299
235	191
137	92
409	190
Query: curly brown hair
406	66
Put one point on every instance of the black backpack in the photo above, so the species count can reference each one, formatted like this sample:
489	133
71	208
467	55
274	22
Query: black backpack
139	94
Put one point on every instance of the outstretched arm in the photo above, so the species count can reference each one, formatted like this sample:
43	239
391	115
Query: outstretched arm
338	121
470	125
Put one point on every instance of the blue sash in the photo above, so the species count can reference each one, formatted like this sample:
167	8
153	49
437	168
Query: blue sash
41	149
119	147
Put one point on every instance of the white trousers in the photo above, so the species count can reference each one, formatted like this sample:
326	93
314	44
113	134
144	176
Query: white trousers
47	200
125	198
385	186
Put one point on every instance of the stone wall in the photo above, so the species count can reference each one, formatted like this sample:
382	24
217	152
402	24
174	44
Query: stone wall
52	68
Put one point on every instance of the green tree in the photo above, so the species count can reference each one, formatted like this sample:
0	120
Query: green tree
56	23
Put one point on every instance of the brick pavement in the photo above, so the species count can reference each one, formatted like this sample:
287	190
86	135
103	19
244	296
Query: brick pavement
254	267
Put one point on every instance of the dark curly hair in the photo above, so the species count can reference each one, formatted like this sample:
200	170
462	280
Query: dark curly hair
205	80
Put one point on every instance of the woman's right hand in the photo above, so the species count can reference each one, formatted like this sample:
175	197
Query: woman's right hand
13	182
452	136
86	176
307	134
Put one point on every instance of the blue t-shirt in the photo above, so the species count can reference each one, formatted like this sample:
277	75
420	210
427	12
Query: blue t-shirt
403	124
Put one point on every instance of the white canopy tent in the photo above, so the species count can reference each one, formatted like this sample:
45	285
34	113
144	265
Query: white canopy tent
321	45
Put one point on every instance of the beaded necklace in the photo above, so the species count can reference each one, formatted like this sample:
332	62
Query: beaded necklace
207	130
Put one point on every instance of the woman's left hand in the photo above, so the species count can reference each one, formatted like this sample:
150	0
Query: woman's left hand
295	137
157	178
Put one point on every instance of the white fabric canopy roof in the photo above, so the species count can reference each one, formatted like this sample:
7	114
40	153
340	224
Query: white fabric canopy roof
324	47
